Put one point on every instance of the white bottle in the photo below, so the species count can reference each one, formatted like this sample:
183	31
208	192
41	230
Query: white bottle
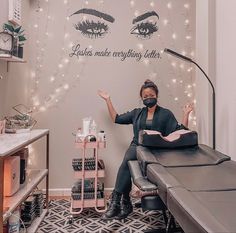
101	136
79	136
86	126
93	128
14	222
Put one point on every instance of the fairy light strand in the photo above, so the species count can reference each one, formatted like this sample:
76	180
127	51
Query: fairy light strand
59	75
181	68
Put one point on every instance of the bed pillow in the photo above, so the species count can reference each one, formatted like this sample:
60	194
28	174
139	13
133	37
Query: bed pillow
177	139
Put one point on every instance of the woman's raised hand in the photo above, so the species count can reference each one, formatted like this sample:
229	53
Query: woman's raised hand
111	109
103	94
188	108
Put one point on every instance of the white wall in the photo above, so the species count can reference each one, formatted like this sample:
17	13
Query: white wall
121	79
3	81
205	47
225	76
215	44
3	65
14	85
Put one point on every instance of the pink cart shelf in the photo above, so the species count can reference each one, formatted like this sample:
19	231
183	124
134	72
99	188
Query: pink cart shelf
89	174
99	204
90	145
89	203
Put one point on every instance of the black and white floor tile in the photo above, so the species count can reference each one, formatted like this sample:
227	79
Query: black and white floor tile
57	221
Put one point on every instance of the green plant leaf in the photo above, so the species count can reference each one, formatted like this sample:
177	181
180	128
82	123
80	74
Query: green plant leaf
9	27
22	38
17	30
21	32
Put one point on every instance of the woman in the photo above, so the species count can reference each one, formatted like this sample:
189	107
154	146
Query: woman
152	117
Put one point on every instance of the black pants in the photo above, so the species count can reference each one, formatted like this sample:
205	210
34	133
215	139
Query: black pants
123	179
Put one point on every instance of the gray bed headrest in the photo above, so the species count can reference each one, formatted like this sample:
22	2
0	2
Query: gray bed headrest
177	139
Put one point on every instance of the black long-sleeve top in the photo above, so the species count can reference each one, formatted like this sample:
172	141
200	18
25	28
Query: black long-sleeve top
163	121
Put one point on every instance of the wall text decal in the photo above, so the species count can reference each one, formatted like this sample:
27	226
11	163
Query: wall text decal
77	51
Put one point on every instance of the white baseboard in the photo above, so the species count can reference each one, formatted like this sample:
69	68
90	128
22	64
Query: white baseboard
67	192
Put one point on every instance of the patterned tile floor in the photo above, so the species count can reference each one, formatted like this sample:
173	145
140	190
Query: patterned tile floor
56	221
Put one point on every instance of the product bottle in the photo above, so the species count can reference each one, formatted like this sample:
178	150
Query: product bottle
93	129
14	222
79	135
101	136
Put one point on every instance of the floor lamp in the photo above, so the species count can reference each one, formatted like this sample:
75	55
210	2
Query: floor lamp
173	53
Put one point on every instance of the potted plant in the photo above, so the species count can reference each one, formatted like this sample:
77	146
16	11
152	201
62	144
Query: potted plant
20	47
19	38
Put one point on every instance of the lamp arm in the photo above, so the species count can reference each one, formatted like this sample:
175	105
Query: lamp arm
199	67
213	105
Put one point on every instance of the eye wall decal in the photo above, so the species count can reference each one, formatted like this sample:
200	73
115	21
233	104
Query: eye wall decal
144	30
93	29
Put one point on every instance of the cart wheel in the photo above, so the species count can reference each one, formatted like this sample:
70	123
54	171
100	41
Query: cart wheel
70	219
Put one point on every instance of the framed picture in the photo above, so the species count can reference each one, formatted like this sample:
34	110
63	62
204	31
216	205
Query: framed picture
14	15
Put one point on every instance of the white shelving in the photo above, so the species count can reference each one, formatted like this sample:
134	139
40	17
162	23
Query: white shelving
9	145
34	177
35	225
10	58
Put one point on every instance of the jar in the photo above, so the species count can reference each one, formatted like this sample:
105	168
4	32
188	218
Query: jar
101	136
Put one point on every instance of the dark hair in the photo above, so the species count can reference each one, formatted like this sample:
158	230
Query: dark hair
149	84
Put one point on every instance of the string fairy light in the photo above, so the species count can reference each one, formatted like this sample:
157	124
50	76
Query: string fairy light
132	3
57	79
165	21
174	36
175	71
61	88
140	46
152	4
169	5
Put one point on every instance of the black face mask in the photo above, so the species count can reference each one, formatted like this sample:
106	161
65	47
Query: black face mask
150	102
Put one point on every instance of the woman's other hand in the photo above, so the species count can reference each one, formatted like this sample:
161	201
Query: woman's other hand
103	94
188	108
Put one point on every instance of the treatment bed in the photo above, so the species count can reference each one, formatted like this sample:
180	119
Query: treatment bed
195	183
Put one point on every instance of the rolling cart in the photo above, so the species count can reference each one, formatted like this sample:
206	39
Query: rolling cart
88	168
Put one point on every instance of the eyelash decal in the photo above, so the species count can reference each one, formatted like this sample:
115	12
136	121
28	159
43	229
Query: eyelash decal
144	30
91	29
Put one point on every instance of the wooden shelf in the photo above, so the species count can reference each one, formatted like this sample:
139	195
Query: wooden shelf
10	58
35	224
89	174
34	177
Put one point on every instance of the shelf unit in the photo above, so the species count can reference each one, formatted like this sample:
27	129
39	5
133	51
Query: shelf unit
10	58
33	228
88	174
9	145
